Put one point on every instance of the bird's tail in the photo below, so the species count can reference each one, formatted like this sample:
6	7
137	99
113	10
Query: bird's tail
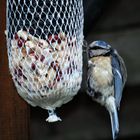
114	123
112	109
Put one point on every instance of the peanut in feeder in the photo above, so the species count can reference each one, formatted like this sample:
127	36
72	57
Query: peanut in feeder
44	41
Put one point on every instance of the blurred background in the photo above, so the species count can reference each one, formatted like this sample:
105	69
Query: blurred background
118	23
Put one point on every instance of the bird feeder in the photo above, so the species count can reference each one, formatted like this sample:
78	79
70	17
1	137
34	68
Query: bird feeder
44	41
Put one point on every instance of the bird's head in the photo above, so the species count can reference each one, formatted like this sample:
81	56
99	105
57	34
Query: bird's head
98	48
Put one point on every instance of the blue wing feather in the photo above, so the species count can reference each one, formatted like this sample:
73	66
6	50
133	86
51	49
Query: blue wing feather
118	78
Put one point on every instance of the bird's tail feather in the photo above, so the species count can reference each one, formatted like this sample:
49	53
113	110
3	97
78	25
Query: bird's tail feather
114	123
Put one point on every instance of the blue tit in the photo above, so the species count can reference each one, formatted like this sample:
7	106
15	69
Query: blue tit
106	78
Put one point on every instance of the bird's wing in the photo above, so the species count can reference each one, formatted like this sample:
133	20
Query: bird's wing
122	68
120	75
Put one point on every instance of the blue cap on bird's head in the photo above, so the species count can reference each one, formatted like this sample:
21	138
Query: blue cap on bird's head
99	44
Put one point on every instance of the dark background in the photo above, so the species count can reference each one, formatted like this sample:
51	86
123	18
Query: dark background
118	23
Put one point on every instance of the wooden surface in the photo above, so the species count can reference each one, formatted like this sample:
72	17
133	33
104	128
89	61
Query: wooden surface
14	112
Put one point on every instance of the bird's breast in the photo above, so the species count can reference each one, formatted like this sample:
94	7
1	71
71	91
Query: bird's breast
102	71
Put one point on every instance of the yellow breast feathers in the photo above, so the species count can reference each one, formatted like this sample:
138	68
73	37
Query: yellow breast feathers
102	72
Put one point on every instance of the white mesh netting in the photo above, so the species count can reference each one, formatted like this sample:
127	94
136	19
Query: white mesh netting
44	39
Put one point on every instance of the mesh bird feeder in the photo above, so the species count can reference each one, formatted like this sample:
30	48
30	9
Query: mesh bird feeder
44	40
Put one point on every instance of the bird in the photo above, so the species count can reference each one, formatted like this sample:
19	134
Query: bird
106	78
